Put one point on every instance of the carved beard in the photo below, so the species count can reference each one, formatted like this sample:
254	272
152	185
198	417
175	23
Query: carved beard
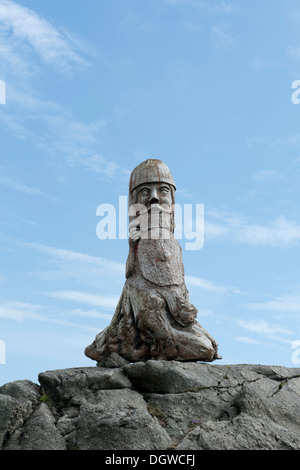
159	221
166	218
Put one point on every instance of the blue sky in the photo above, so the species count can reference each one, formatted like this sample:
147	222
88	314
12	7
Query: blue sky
92	89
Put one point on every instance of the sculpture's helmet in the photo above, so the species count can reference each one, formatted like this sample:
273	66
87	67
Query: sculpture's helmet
150	171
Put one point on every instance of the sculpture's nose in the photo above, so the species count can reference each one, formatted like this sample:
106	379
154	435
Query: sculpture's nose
153	196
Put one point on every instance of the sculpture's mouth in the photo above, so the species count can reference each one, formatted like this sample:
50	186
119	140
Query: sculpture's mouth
152	227
156	208
156	220
159	221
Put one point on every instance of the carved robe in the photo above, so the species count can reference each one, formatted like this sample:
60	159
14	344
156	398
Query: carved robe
154	318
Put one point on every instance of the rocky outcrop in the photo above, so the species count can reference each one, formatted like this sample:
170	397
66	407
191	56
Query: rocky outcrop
154	405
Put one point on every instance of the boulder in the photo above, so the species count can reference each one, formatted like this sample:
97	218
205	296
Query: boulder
154	405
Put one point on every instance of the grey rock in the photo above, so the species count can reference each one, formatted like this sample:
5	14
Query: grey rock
78	384
154	405
67	426
13	416
21	390
25	422
172	376
9	409
119	420
114	360
40	431
244	433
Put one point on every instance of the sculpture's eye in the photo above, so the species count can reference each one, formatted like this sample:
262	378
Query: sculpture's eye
144	191
164	191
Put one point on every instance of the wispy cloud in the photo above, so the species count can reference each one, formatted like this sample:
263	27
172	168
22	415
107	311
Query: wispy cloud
247	340
193	281
73	256
91	314
107	302
68	129
222	37
232	227
279	144
28	43
222	8
24	311
210	286
176	3
203	11
277	329
20	310
292	140
93	272
75	141
16	185
258	64
264	328
95	163
212	8
280	232
283	304
267	176
67	140
293	52
24	26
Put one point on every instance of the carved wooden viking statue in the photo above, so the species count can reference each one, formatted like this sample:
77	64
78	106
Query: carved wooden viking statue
154	318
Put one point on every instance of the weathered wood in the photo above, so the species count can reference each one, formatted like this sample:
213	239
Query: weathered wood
154	318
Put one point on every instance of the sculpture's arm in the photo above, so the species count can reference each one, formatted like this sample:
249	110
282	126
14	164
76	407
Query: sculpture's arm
134	238
131	259
181	309
185	313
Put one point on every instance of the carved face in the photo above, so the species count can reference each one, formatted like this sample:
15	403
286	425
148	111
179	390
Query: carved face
154	193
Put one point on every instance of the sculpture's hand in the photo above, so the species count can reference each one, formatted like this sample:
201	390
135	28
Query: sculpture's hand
134	231
185	318
186	313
